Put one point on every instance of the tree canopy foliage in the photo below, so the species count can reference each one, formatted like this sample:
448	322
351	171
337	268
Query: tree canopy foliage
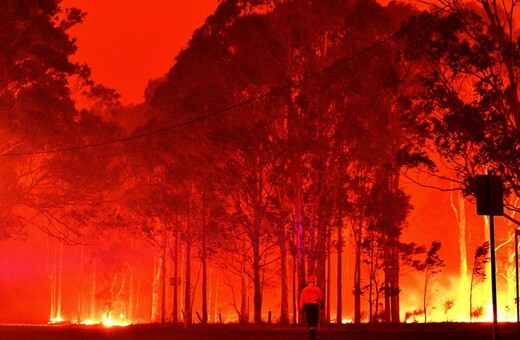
38	114
467	62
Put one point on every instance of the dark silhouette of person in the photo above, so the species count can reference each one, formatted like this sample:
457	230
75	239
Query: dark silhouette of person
311	301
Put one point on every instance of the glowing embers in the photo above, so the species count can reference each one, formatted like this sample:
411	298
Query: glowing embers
108	321
88	323
59	321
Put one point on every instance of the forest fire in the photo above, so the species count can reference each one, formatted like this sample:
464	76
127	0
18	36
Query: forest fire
338	140
110	322
107	321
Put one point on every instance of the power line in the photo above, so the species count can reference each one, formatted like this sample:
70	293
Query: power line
240	104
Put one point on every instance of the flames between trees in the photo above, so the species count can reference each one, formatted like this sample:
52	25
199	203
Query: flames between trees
289	138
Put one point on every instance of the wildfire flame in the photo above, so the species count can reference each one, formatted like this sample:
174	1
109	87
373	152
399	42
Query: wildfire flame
108	321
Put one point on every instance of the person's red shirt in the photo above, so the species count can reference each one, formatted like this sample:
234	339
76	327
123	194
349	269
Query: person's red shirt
311	295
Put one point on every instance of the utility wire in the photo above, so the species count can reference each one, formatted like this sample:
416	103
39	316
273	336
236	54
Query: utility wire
240	104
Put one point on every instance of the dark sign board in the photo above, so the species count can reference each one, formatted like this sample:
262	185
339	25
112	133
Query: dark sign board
489	195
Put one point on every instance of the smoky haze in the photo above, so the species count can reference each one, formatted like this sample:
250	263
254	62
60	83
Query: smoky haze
213	155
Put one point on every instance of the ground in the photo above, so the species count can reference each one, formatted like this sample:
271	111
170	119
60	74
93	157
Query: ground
443	331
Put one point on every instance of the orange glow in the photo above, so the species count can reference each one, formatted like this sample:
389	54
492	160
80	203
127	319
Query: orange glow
127	43
115	323
56	320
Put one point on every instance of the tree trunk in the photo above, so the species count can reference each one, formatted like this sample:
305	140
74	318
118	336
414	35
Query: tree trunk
294	296
391	270
81	285
156	288
299	232
52	277
187	288
471	299
176	279
339	285
391	256
372	272
164	245
60	281
175	308
257	297
215	299
460	215
131	315
321	259
284	303
204	276
328	254
244	308
93	312
424	296
357	272
394	286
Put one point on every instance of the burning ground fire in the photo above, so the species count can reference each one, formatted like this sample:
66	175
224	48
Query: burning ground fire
447	301
107	321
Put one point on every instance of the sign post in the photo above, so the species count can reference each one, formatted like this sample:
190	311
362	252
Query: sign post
490	203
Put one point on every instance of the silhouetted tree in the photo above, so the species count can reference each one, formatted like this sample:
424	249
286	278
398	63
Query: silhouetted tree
54	190
468	105
309	141
431	266
478	273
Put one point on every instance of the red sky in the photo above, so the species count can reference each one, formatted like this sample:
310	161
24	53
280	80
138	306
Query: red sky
129	42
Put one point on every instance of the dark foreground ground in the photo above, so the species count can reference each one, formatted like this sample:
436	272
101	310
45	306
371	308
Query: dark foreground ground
442	331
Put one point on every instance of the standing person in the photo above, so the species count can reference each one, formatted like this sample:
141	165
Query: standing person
310	302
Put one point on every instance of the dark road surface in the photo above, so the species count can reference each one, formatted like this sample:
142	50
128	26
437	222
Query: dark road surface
442	331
